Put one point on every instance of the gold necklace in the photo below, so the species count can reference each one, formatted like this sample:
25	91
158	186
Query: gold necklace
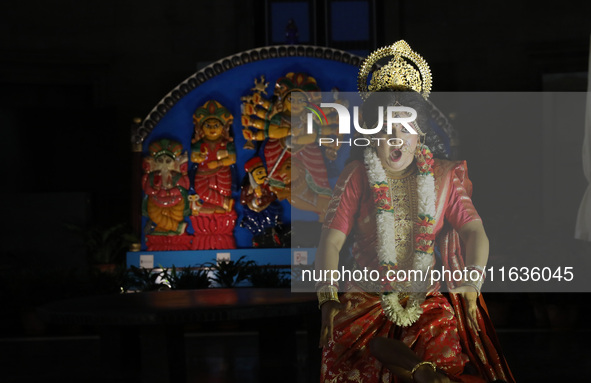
403	194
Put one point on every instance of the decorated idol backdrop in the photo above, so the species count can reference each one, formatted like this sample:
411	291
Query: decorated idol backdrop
217	151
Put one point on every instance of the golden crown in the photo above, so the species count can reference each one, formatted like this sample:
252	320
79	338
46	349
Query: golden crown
398	73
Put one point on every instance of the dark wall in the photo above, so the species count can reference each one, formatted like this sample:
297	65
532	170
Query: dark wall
73	74
493	46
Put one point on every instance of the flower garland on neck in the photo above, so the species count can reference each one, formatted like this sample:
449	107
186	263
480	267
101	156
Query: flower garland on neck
424	237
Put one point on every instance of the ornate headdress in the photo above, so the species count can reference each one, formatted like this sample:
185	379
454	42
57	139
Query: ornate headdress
297	81
253	163
165	147
212	109
398	73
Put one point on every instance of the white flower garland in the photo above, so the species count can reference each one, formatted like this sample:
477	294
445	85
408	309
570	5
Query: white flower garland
385	224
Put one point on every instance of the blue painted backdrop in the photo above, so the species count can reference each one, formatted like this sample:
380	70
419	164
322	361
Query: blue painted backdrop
227	88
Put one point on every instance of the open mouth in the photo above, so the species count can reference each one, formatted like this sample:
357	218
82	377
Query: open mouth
395	155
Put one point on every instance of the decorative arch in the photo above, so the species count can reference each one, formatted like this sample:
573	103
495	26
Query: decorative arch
227	80
257	55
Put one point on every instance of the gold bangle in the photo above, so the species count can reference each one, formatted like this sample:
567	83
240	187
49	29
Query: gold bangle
327	293
423	363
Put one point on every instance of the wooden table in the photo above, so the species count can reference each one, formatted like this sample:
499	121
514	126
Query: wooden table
142	334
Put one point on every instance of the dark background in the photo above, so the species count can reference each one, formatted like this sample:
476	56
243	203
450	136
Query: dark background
74	74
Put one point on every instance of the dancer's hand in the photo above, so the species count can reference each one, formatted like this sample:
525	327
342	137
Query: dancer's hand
329	310
469	296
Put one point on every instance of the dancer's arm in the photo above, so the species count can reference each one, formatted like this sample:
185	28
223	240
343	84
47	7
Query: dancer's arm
475	243
327	258
477	246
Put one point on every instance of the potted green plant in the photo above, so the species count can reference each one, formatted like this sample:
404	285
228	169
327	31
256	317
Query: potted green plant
142	279
189	278
231	273
105	247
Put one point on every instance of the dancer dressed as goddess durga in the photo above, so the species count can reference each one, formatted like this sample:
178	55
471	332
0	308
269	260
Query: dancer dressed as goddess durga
402	205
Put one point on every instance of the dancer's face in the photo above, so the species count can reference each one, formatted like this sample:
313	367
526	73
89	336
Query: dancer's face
398	158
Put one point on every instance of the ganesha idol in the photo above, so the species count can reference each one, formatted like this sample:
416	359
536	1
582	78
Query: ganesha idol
165	183
282	122
213	216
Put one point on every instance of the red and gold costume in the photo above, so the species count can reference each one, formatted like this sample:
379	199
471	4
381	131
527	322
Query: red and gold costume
441	334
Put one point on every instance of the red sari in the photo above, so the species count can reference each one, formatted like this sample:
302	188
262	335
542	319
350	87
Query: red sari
213	185
441	334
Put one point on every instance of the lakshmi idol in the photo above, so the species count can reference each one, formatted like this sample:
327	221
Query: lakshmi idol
213	151
401	206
